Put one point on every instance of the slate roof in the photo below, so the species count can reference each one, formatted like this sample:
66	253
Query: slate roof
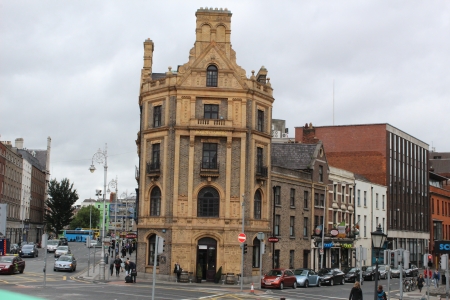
294	156
361	178
156	76
31	159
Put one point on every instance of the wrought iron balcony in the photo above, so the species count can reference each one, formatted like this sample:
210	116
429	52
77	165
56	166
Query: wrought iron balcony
209	169
154	169
261	172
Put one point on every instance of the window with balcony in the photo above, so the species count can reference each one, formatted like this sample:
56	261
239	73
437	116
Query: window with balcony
209	158
208	203
257	205
157	116
260	120
211	76
155	202
211	111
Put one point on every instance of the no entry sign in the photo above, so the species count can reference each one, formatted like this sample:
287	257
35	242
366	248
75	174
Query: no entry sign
241	237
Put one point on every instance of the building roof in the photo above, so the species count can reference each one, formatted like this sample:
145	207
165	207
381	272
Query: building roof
294	156
32	159
156	76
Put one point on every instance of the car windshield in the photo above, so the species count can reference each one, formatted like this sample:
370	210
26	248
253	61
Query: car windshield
62	248
65	258
369	269
353	270
274	273
53	243
301	272
325	271
6	259
382	268
27	247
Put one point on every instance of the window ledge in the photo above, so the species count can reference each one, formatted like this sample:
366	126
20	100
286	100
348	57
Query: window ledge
293	207
305	208
292	237
306	238
277	205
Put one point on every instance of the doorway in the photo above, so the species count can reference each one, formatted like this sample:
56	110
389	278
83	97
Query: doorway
206	258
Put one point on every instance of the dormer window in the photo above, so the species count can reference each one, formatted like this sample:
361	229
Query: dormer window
211	76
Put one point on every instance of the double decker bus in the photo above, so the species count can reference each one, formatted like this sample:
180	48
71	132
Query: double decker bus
78	235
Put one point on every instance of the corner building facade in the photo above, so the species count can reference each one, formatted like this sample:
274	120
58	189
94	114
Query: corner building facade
204	151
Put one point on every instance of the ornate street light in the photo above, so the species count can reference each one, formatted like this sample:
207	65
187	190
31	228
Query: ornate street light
101	157
113	184
378	239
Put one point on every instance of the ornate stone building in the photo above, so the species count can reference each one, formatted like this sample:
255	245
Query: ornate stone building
204	151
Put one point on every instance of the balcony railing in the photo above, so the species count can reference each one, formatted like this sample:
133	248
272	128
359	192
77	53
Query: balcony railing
209	169
154	168
261	172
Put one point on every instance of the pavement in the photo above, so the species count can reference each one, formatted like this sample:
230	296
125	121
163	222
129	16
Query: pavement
147	278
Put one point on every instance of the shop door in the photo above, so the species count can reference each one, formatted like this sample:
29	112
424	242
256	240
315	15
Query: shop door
206	258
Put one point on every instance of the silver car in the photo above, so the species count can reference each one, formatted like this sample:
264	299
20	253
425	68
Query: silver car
52	245
62	250
307	277
65	263
383	272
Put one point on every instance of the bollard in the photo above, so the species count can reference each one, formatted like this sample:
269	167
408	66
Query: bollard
252	290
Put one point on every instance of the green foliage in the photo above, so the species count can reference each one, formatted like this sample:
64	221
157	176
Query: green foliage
199	271
81	220
60	210
218	275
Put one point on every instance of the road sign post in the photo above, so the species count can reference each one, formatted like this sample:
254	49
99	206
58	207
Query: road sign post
242	237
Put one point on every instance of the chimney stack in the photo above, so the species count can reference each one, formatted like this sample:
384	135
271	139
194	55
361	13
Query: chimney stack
309	135
19	143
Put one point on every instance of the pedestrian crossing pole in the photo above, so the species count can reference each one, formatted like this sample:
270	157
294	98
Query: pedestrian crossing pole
44	246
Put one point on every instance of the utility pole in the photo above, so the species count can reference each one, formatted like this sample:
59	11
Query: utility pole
242	244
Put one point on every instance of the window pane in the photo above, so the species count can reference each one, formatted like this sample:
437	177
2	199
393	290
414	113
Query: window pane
211	76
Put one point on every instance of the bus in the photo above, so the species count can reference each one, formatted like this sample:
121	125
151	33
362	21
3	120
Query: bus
77	235
95	231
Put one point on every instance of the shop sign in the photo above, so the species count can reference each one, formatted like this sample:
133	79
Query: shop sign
273	239
346	246
334	232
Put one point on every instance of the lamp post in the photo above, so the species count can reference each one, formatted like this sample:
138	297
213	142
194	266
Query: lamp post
114	184
378	239
101	157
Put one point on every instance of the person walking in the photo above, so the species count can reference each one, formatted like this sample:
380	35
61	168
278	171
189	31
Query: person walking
133	271
124	252
111	267
127	267
420	282
117	263
381	295
356	292
177	269
436	278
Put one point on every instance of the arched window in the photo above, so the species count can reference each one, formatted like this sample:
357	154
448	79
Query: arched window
211	76
151	250
208	203
155	202
257	205
256	253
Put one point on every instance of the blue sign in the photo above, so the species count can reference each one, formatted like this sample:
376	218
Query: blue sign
442	247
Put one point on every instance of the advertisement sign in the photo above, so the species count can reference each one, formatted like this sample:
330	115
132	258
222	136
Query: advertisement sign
442	247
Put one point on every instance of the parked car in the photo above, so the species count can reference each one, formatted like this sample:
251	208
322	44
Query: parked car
29	250
412	271
65	263
395	273
331	276
353	275
369	273
279	278
95	244
383	272
64	241
52	245
14	249
307	277
9	264
62	250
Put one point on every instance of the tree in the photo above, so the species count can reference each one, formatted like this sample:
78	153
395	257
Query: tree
60	203
81	220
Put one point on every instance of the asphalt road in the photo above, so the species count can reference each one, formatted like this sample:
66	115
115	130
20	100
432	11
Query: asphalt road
66	285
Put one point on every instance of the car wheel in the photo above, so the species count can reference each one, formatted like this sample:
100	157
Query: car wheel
281	286
74	269
294	286
332	282
318	283
11	271
54	269
342	281
306	284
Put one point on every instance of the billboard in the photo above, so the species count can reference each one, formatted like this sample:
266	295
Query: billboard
3	215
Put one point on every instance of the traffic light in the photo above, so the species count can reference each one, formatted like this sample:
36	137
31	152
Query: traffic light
444	261
430	260
245	248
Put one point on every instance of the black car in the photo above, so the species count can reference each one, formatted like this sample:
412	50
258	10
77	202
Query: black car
353	275
331	276
369	273
412	271
64	241
29	250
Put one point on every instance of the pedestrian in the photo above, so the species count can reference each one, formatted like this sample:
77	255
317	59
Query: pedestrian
130	249
127	267
177	269
117	262
122	264
117	250
420	282
381	295
436	278
111	267
356	292
427	274
133	271
124	252
109	250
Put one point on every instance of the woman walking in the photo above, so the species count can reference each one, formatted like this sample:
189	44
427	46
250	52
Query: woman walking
420	282
117	263
356	293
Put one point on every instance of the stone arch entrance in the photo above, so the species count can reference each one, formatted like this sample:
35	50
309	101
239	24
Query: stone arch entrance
207	257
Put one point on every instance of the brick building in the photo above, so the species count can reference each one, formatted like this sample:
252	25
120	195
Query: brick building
390	157
204	151
440	210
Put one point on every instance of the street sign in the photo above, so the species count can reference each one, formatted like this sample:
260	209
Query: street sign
321	251
242	238
273	239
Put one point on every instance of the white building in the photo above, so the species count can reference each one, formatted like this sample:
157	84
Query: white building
25	191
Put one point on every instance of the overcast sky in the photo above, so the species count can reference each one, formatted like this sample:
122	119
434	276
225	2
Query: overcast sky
70	70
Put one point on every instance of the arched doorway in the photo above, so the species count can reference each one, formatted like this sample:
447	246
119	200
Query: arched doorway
206	257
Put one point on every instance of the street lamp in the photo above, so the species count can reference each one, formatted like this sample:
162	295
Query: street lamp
101	157
378	239
113	184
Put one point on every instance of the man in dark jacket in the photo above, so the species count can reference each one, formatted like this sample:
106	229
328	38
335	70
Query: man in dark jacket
132	270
